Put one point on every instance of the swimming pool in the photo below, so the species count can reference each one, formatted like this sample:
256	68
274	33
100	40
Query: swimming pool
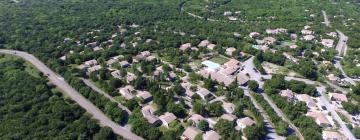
211	65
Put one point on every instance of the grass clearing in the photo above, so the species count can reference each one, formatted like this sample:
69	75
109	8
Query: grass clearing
218	59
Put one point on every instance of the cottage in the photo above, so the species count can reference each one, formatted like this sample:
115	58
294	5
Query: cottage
196	118
338	97
320	118
126	92
230	51
145	96
288	94
184	47
229	107
333	78
244	122
306	32
293	46
145	53
90	63
332	34
242	78
293	36
269	40
167	118
327	42
130	77
211	135
204	93
124	64
190	133
204	43
227	13
211	46
148	113
111	61
94	68
116	74
308	37
97	48
229	117
254	34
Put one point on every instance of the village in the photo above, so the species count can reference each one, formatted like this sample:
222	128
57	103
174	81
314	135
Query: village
224	69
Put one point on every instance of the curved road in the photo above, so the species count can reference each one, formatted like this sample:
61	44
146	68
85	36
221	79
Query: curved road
73	94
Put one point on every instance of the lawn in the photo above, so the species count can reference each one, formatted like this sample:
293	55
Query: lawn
218	59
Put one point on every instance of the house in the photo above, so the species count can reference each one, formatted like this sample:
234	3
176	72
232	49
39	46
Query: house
124	64
276	31
338	97
293	36
97	48
320	118
327	42
196	118
211	135
331	135
116	74
204	43
288	94
333	78
307	99
332	34
231	63
203	93
111	61
126	92
306	32
190	133
254	34
242	78
269	40
243	123
308	37
167	118
293	46
145	53
230	51
227	13
150	58
94	68
130	77
90	63
211	46
82	67
229	117
148	113
63	58
229	107
184	47
232	18
307	27
145	96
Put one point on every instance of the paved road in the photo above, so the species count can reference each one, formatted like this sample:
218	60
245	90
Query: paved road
73	94
271	134
330	107
282	115
347	78
326	20
94	87
341	47
254	75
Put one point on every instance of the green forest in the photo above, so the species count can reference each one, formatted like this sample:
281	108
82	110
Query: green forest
30	108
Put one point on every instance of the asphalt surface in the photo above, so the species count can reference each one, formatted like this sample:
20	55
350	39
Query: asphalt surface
74	95
326	20
271	134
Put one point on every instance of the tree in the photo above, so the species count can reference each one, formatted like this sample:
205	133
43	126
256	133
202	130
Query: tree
199	108
356	132
253	133
227	129
178	110
215	109
253	85
203	125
